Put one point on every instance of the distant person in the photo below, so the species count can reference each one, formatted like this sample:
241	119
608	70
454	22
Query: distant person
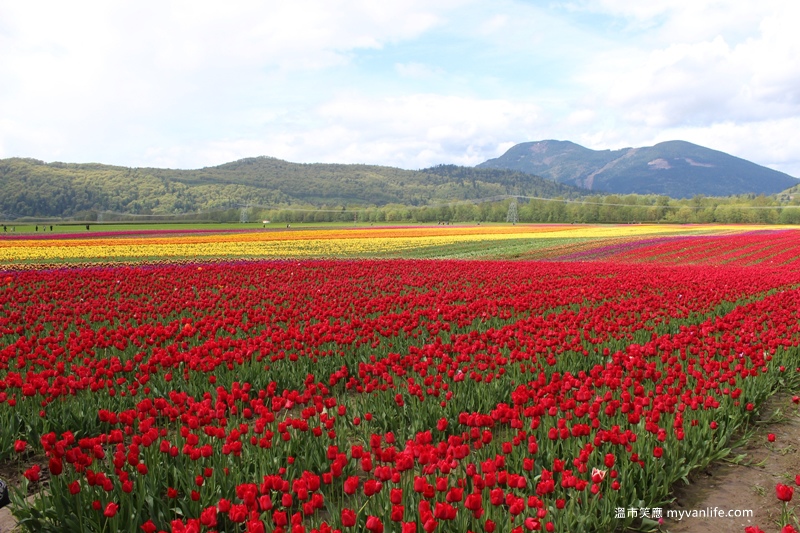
51	228
87	227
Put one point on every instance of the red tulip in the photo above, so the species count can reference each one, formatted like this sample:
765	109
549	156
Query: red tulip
208	517
279	518
784	492
409	527
32	474
55	466
658	452
351	485
397	513
238	513
257	526
348	517
374	524
77	332
110	510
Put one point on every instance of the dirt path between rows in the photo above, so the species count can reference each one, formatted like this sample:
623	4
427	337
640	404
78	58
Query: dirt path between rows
7	522
12	474
747	484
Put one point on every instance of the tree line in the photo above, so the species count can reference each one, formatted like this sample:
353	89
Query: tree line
608	209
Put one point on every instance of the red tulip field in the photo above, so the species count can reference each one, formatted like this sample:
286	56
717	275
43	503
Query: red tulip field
381	395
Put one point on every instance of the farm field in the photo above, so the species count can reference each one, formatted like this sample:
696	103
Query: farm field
136	244
350	379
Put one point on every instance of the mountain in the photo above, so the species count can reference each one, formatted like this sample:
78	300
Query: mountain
33	188
675	168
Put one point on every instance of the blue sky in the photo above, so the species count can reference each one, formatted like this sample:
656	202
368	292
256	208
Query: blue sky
188	84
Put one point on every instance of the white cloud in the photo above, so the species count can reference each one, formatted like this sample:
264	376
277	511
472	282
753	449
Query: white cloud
415	83
770	143
450	126
494	24
582	117
714	72
90	70
418	70
684	20
414	131
427	129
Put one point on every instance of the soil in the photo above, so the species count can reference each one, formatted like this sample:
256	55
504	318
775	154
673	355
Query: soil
7	522
11	473
747	483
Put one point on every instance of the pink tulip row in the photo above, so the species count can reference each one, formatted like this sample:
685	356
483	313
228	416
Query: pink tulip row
768	248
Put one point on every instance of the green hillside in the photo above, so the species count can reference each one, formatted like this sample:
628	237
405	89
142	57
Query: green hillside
32	188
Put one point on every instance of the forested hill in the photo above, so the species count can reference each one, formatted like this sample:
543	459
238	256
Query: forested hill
33	188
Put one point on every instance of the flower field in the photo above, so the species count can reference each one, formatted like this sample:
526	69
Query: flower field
398	395
423	241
